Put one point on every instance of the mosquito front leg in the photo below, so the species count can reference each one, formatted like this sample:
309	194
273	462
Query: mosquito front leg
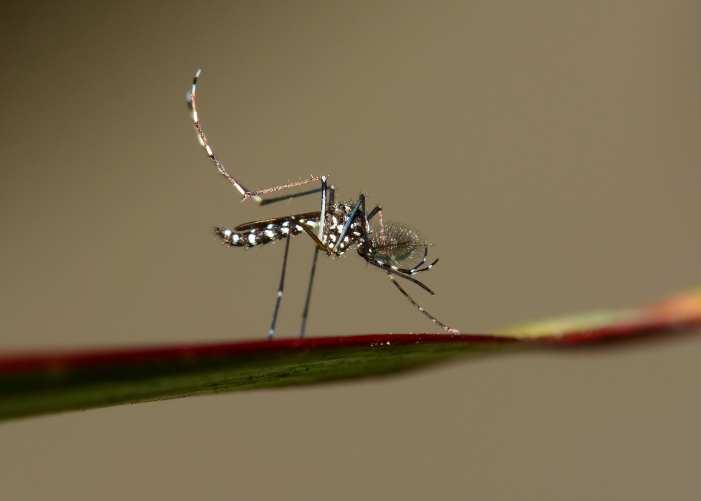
420	308
392	271
257	194
373	213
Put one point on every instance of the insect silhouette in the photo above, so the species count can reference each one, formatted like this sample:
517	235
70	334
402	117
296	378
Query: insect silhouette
335	229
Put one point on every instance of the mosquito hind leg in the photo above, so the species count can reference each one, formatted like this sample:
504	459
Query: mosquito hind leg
192	105
255	195
279	291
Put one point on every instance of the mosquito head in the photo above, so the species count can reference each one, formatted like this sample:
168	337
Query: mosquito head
395	244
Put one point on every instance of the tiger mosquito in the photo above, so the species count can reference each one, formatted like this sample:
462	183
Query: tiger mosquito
335	229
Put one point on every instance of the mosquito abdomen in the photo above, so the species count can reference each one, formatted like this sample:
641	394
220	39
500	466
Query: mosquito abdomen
255	237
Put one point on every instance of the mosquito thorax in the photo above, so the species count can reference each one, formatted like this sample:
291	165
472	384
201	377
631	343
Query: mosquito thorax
337	217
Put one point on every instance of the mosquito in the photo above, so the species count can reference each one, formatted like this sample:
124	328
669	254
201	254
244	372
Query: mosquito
336	228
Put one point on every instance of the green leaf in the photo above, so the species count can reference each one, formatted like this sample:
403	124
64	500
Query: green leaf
40	383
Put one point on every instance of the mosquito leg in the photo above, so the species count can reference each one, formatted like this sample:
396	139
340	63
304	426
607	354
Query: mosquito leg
374	211
433	319
256	195
320	236
299	195
279	291
309	294
190	97
322	218
311	233
289	197
392	271
415	269
366	227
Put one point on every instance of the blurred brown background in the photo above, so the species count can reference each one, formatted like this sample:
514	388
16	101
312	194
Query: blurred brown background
550	151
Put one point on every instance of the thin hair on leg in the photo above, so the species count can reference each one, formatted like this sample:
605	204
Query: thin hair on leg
284	187
373	212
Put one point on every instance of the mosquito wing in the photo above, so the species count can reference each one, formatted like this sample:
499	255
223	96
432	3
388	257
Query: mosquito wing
307	216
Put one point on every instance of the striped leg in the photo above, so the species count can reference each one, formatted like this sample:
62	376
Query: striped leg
309	294
256	195
279	291
433	319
